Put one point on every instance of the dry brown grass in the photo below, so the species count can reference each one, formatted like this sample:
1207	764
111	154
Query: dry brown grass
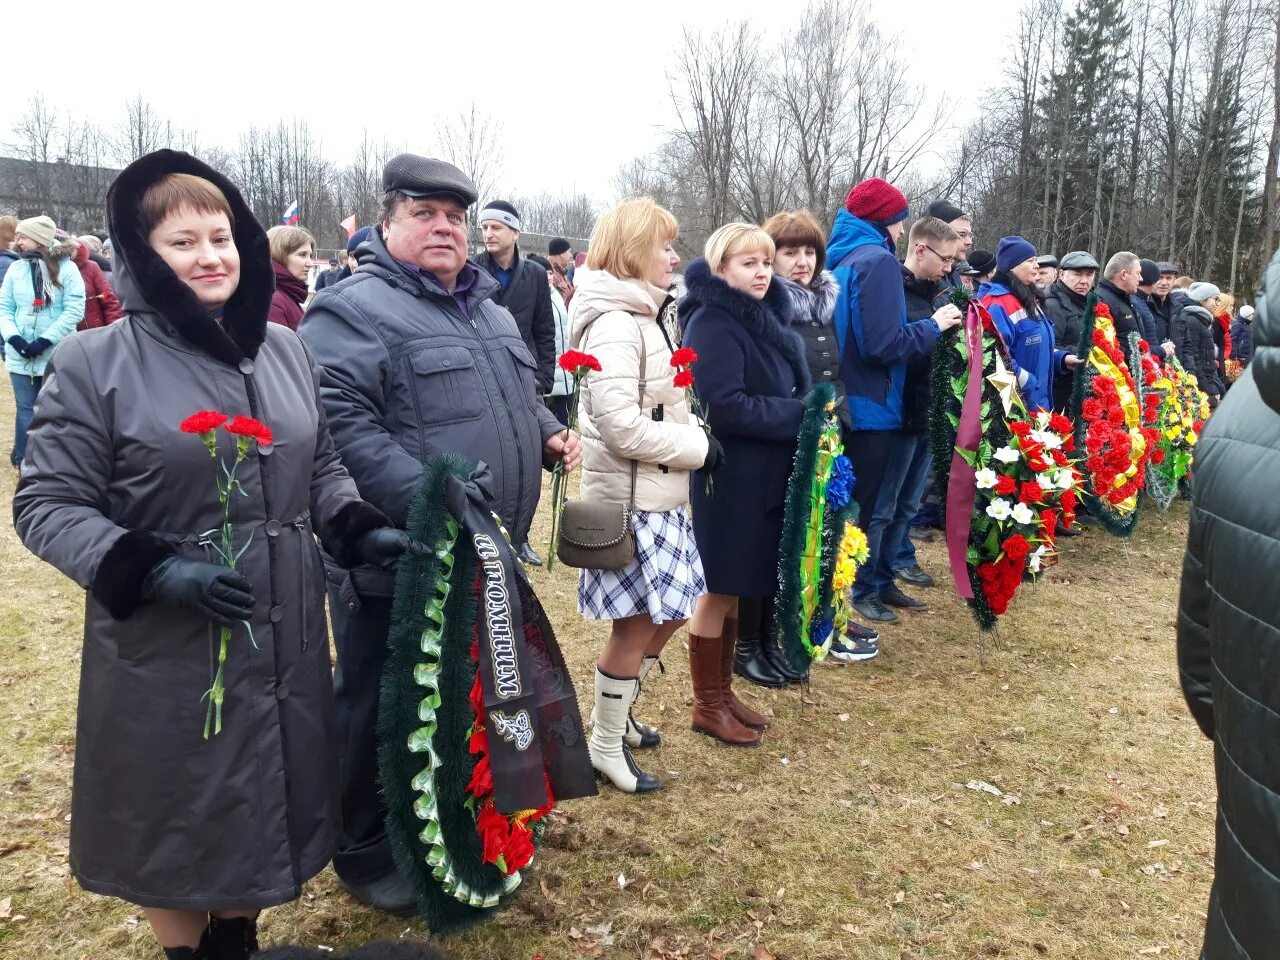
848	834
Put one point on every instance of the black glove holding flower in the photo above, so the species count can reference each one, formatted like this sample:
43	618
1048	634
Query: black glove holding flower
384	546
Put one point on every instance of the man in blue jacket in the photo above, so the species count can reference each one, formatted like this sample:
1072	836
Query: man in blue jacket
876	343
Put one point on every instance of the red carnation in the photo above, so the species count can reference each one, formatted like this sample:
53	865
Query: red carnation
519	850
1144	346
1116	416
1100	309
684	357
203	422
495	832
1020	428
577	363
1031	492
1157	456
1016	547
1091	409
481	784
1198	426
1069	443
477	697
1094	463
251	428
1005	485
1099	339
1060	424
683	379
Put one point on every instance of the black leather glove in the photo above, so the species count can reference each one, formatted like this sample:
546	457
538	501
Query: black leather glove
383	547
715	455
38	346
209	589
19	345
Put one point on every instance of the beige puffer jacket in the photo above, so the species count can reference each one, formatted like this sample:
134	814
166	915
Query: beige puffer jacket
611	319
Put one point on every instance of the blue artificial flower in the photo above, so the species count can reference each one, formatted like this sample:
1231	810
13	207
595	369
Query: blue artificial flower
840	483
820	633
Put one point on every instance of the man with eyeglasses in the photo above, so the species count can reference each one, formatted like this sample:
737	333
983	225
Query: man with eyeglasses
958	221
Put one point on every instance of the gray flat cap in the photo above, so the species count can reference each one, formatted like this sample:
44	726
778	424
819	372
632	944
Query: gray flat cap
1165	266
416	176
1048	260
1078	260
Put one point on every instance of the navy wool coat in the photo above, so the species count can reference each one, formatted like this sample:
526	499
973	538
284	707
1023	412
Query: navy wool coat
750	380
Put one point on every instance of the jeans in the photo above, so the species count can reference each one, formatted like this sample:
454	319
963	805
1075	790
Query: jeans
25	391
896	512
870	452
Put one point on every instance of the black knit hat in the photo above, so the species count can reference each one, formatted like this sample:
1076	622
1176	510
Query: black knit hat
944	210
558	246
503	212
984	261
1150	272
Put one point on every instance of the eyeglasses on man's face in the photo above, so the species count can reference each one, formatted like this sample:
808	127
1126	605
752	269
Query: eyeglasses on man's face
940	256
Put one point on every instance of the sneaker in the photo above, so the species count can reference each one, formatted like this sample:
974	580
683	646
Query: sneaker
874	609
852	649
914	576
896	598
859	632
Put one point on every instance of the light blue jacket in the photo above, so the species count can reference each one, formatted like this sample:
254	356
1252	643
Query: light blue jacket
54	320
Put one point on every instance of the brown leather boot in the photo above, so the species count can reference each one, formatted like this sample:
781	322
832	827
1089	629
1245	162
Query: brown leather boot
710	715
741	712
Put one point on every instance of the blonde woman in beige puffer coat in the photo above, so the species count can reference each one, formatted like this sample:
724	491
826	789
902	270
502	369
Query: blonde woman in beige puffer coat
617	301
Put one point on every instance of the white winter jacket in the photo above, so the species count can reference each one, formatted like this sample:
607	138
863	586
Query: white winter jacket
613	320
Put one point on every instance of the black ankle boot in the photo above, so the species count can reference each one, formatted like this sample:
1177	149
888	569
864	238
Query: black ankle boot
749	661
234	939
771	646
201	952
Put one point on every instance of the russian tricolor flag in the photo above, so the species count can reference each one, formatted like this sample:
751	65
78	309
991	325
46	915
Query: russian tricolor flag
291	214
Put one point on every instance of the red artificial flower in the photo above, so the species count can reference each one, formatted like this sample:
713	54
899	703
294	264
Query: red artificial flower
203	422
1049	518
1069	443
1060	424
1060	458
1100	309
475	651
1037	463
519	849
1091	409
251	428
683	379
477	698
1020	428
1016	547
1157	456
481	784
1099	339
495	832
1031	492
578	363
1116	415
1068	501
37	303
1198	426
1094	463
479	742
684	357
1005	485
1144	346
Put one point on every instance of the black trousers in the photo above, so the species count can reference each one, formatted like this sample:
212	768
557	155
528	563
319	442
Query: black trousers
869	452
360	634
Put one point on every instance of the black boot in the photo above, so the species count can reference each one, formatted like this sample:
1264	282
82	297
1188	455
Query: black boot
771	645
202	952
234	939
749	660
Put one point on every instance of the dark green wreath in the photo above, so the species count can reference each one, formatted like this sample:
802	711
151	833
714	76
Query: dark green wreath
1081	387
947	364
471	888
795	523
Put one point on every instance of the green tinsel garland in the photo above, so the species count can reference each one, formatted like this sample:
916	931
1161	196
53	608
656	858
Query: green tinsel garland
425	718
795	522
1082	385
945	365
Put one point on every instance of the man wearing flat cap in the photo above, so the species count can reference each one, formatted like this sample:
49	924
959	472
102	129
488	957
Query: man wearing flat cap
1046	273
416	359
1064	303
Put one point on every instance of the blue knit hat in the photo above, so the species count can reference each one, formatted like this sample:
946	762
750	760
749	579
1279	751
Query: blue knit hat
357	238
1011	251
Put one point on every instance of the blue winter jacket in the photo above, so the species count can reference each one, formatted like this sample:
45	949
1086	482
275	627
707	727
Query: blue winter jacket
53	320
876	340
1147	320
1030	342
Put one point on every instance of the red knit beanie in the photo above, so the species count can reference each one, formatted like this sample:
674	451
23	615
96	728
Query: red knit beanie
878	201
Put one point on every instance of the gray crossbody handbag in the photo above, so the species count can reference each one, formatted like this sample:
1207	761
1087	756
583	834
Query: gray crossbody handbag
596	534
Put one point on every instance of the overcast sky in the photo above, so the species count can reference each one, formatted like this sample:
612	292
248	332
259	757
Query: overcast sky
579	92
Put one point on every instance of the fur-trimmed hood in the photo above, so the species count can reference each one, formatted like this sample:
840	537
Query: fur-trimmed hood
764	319
147	286
815	302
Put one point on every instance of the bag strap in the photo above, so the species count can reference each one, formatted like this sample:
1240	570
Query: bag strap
644	361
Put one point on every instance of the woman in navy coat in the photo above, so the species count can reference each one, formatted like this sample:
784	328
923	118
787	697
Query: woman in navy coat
751	377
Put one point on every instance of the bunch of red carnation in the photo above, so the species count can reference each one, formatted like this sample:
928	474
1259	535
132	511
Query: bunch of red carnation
507	840
577	363
683	361
1001	578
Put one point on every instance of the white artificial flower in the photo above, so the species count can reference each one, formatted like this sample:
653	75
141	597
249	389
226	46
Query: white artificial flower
1065	479
1036	559
1042	419
999	509
1048	438
986	478
1023	514
1007	455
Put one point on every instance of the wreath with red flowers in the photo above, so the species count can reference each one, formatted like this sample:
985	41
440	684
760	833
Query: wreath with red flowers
1109	421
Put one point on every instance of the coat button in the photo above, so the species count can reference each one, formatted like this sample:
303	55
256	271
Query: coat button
273	528
826	373
246	366
825	354
282	691
266	449
276	614
444	363
822	339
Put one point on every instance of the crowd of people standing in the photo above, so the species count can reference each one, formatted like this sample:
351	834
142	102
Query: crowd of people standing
411	349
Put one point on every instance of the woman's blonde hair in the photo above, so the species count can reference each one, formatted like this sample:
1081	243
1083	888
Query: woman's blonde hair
8	230
623	239
1226	303
285	240
735	238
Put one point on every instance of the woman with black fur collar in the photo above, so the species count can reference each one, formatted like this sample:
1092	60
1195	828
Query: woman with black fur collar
202	834
751	377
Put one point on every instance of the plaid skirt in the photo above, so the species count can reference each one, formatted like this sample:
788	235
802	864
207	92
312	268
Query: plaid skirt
662	581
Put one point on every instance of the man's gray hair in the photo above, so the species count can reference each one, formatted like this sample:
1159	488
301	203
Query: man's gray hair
1119	262
392	199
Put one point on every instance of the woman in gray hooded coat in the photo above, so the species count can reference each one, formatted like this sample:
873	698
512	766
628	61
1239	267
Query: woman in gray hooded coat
201	833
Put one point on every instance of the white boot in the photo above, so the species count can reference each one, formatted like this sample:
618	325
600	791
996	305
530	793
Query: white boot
641	736
609	754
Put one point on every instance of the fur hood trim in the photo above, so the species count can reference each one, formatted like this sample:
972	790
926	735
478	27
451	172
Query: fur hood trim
816	302
764	319
146	284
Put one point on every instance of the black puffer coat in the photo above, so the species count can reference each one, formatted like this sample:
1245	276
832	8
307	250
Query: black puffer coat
1066	309
920	295
1194	325
811	313
1229	642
